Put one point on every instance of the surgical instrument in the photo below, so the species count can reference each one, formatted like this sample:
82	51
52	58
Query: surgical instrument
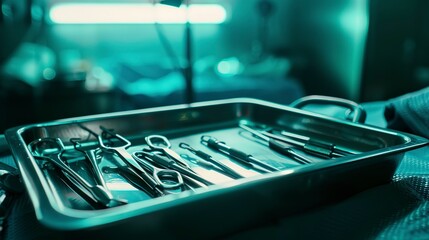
122	152
51	149
171	164
224	169
314	147
93	155
331	150
244	158
201	162
166	178
309	145
161	143
52	174
278	146
134	179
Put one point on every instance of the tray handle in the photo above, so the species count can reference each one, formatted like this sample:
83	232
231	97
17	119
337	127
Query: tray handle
356	112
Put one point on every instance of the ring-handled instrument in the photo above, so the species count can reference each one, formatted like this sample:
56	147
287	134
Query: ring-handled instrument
222	167
315	146
50	150
121	151
278	146
166	178
133	178
161	143
246	159
173	165
93	156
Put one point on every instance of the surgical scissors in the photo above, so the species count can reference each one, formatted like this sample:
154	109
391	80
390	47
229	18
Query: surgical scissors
166	178
133	178
51	150
161	143
171	164
93	155
122	152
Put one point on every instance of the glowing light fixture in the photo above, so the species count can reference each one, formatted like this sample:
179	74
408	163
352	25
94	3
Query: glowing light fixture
115	13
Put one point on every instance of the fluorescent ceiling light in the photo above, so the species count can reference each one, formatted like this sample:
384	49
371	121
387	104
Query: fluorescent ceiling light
108	13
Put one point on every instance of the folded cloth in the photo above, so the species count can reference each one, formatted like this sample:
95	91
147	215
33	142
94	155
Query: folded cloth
409	113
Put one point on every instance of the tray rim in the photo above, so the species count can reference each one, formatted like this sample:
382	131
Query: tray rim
81	219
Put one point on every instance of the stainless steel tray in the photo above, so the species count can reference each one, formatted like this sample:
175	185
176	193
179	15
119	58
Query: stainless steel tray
228	206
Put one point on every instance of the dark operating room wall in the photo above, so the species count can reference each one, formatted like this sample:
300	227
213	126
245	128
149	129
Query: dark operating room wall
14	23
397	53
331	36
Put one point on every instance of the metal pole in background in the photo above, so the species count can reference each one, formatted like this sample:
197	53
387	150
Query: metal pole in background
188	71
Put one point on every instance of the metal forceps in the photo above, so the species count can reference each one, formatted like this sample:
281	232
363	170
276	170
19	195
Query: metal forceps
222	167
51	149
167	162
161	143
166	178
92	156
122	152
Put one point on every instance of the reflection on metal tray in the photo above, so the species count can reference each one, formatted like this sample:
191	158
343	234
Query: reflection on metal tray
369	156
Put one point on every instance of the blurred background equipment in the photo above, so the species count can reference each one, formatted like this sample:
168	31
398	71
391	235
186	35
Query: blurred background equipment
71	58
14	23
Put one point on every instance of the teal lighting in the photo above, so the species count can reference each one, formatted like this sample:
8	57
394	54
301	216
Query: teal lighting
229	67
354	21
49	73
134	13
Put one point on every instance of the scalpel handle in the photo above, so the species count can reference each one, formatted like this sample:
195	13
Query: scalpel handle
286	150
230	172
243	157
